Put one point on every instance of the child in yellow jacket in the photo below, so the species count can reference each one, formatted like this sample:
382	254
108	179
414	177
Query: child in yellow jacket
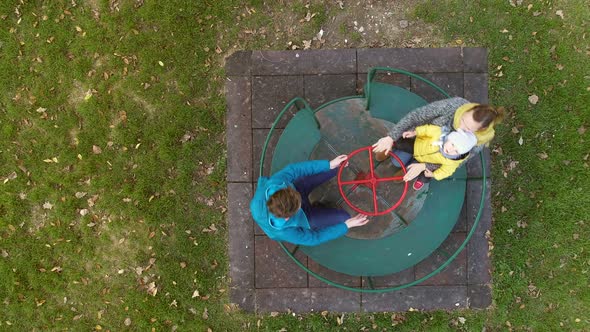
434	145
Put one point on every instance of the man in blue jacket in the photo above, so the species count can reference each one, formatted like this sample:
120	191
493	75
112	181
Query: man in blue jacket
282	209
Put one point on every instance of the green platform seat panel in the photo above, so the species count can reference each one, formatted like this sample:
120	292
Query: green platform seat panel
390	102
297	141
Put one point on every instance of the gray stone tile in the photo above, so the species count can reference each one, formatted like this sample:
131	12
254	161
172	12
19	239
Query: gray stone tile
474	169
452	83
400	80
342	61
334	300
480	296
475	60
415	60
241	244
274	269
455	273
238	129
478	262
461	225
392	280
244	298
475	87
334	276
320	89
257	229
238	64
241	235
304	300
417	297
473	198
283	299
270	94
259	137
276	63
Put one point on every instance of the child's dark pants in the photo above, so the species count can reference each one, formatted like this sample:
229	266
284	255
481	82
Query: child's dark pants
318	217
407	145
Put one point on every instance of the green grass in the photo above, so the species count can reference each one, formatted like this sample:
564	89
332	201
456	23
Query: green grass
104	82
145	86
546	254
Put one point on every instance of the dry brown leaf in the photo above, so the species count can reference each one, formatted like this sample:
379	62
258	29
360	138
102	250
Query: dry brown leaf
512	165
559	13
152	289
187	137
92	200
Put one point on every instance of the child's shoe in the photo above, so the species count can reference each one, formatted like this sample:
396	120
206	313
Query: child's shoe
418	185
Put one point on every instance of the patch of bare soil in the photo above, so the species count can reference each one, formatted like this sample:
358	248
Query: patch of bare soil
335	24
378	24
38	219
77	94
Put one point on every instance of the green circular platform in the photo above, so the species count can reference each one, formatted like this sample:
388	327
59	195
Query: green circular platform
389	243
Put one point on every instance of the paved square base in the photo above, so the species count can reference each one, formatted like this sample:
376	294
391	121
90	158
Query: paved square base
263	277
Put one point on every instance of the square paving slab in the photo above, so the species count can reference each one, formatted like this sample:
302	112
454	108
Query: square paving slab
263	277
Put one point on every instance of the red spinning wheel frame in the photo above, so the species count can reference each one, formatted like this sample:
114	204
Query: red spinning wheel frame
370	180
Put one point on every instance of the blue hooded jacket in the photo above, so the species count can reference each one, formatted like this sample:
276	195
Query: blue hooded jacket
296	229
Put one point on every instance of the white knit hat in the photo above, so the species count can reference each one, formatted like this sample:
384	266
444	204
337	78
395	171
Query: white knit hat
463	141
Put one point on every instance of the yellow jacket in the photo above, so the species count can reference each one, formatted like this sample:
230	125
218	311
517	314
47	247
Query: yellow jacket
427	152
